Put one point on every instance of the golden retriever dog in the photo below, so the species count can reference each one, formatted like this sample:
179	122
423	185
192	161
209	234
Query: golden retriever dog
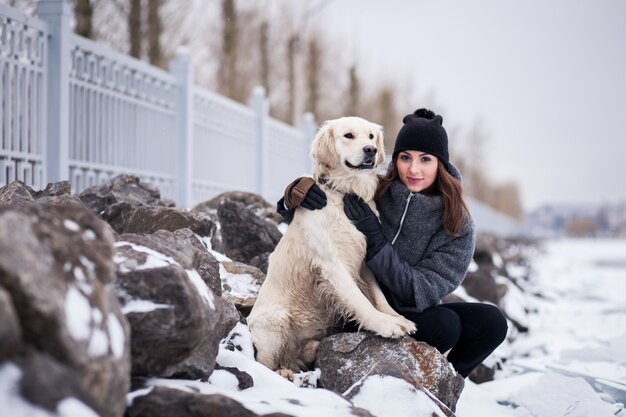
317	276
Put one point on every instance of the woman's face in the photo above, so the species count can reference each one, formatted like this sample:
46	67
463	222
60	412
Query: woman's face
417	170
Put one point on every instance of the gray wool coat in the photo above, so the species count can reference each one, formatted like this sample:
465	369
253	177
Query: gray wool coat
421	263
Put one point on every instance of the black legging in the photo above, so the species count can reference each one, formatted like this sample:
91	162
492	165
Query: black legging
472	330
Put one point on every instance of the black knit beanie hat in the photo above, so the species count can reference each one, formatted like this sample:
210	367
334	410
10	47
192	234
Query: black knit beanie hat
423	131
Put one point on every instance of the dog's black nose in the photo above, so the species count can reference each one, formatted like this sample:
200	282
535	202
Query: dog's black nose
370	150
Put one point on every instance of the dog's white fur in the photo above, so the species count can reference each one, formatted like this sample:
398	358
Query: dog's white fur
317	274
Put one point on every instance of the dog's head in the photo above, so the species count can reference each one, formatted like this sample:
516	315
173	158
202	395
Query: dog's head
348	143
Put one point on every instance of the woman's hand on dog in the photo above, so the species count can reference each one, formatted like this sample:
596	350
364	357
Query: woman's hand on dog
364	219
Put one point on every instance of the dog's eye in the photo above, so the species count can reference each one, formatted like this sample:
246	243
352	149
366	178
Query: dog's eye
349	136
371	136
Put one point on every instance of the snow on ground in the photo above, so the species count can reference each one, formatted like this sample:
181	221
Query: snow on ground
572	362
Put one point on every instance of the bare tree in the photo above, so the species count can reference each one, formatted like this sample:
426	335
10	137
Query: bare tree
313	75
83	12
354	92
155	28
292	44
265	59
227	69
134	28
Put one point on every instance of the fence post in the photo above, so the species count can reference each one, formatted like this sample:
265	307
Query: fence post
57	14
308	128
182	70
260	105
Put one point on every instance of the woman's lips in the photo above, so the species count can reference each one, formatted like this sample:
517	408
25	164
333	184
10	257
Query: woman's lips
414	180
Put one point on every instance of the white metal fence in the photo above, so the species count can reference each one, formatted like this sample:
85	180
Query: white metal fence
74	110
22	97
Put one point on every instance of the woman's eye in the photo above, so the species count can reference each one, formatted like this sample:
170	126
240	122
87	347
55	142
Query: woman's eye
371	136
426	159
405	158
349	136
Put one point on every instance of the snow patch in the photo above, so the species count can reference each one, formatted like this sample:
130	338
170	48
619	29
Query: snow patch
400	398
203	289
142	306
558	395
98	343
241	285
116	334
130	397
72	407
71	225
89	265
77	314
220	256
206	241
239	339
10	400
224	379
154	260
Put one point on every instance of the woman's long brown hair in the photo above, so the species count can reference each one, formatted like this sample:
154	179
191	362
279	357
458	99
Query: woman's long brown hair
454	208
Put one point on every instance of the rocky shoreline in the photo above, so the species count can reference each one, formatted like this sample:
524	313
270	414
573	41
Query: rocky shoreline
105	293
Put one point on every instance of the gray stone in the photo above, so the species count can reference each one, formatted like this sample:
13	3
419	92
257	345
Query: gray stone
345	358
10	330
252	201
172	311
244	234
123	188
54	189
168	402
46	382
126	218
15	194
56	264
241	285
482	286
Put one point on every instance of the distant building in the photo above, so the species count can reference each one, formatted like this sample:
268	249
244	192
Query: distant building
608	220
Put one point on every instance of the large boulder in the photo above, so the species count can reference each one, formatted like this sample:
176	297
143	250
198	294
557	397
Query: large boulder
252	201
346	358
16	193
57	193
244	234
482	286
121	189
165	285
56	267
167	402
126	218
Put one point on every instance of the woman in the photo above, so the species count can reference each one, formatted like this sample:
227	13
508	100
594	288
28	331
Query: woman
423	244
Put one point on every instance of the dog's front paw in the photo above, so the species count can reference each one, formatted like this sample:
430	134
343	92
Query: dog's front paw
386	325
408	325
285	373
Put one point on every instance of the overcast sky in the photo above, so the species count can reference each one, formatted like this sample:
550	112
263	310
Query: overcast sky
548	78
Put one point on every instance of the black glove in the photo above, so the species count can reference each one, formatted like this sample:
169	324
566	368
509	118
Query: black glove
362	216
314	199
304	192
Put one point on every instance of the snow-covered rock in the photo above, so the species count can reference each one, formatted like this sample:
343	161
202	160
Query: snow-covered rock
346	359
56	276
174	332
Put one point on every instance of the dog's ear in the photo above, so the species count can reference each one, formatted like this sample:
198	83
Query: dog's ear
380	144
323	147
